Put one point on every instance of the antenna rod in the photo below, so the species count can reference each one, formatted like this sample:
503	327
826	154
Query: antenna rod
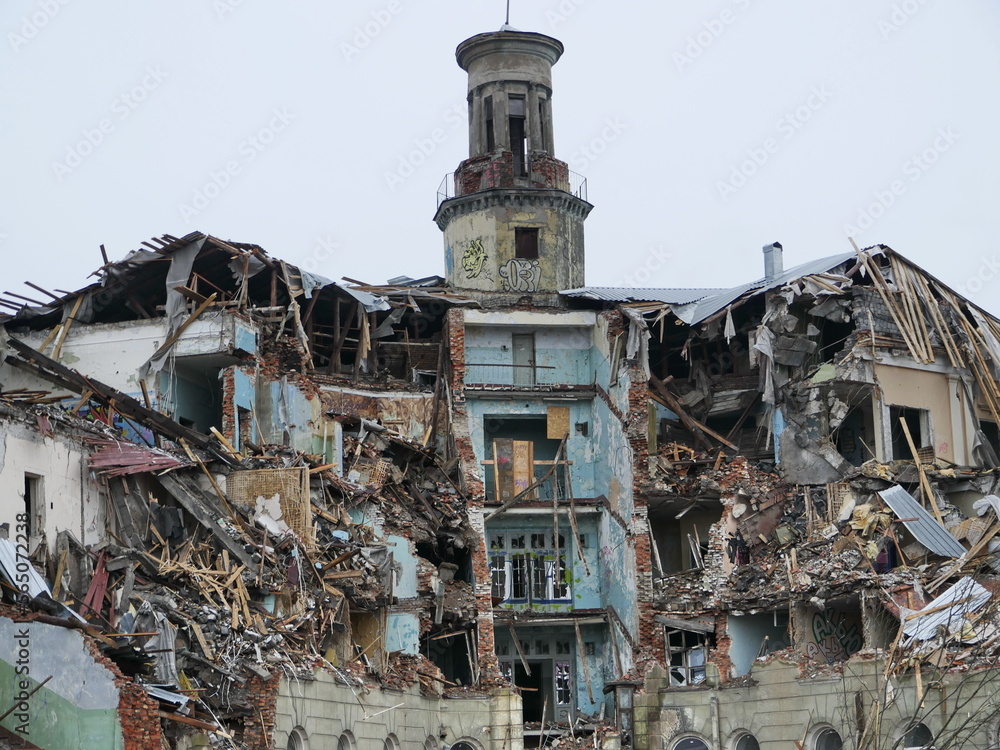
508	12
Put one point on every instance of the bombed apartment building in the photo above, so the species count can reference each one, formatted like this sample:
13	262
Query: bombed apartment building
223	502
822	498
248	507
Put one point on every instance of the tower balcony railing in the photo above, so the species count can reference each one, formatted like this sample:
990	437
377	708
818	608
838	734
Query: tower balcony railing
448	190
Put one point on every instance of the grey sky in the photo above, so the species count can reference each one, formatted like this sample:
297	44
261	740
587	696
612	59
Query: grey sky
706	130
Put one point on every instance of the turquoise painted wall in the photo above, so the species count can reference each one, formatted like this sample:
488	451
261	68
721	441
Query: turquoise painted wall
566	350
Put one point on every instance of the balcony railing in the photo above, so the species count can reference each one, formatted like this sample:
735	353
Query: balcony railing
447	189
527	375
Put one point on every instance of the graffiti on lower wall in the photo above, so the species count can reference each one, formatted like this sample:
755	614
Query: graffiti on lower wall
835	638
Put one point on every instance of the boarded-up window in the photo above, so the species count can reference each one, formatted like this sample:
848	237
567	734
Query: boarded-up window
526	243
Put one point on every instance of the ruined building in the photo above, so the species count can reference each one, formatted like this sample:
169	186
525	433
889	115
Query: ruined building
246	506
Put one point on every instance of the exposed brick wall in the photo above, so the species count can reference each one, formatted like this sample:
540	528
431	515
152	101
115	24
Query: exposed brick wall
472	485
229	405
137	712
258	727
490	171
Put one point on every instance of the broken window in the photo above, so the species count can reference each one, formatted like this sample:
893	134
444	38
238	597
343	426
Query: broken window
564	685
518	134
526	243
535	576
917	422
686	653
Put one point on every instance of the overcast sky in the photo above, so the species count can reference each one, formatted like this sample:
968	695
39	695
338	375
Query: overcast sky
321	131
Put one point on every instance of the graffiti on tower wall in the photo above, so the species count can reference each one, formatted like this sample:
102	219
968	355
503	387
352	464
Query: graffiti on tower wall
474	261
520	275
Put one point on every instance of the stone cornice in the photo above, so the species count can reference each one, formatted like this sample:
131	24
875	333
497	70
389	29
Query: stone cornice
516	197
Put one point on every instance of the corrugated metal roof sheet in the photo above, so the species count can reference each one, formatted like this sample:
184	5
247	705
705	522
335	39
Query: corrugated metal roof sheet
925	529
695	305
624	294
964	597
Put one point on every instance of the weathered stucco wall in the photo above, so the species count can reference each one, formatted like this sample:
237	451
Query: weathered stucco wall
479	247
326	708
70	498
782	707
922	389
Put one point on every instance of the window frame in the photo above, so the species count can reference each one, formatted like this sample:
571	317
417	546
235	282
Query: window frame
534	568
526	243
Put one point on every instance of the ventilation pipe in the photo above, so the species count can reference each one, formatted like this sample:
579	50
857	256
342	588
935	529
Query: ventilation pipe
773	264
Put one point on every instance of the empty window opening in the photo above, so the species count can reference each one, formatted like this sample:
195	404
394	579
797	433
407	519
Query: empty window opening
542	123
34	506
521	454
918	737
681	533
747	742
918	423
526	243
992	435
854	436
298	740
518	134
828	739
490	133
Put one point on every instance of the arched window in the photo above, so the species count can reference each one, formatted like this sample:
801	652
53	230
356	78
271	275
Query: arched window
828	739
464	745
918	737
391	743
298	740
746	741
431	743
346	742
691	743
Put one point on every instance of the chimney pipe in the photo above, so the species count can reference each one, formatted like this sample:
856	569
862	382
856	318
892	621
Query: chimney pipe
773	264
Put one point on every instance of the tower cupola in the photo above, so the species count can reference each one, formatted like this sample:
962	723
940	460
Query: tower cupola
512	213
